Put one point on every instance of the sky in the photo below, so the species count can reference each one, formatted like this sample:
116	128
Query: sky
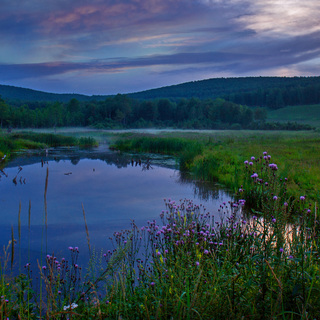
117	46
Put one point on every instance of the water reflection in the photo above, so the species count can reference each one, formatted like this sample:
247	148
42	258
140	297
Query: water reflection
113	188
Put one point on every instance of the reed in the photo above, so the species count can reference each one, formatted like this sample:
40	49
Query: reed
86	226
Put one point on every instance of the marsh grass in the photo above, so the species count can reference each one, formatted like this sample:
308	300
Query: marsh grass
188	264
18	141
218	156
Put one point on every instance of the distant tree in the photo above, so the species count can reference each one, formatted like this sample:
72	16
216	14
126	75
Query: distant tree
165	109
4	112
260	114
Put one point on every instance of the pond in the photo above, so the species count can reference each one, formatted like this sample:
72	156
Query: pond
48	199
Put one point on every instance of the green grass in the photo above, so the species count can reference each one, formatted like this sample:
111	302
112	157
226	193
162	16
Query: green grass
252	265
309	114
187	266
219	156
17	141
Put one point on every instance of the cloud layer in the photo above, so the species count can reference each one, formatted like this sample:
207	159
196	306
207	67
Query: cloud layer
111	46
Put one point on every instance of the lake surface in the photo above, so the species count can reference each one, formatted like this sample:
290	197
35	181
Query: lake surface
113	188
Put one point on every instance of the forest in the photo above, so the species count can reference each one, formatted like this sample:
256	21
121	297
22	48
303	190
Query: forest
121	111
219	103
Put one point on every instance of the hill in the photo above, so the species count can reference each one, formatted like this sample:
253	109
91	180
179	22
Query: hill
18	94
222	87
272	92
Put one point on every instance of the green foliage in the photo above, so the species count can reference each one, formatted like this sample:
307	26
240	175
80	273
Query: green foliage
190	265
28	140
208	104
87	142
217	157
49	139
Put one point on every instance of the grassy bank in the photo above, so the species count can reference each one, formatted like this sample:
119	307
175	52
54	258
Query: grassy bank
11	142
218	156
186	265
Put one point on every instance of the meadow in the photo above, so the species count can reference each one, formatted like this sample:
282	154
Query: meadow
303	114
260	261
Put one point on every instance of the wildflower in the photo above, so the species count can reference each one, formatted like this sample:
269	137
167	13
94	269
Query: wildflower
246	162
70	248
302	198
253	158
197	263
255	175
275	198
281	250
273	166
274	220
152	284
73	306
265	153
250	163
285	204
44	267
206	252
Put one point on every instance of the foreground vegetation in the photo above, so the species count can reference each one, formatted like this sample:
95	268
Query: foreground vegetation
188	265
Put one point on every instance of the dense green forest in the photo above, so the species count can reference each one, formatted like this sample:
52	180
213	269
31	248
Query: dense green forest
122	111
270	92
222	103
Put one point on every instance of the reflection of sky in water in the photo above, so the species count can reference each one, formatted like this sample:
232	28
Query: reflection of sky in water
112	197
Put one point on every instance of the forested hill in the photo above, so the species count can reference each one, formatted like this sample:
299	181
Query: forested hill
16	94
221	87
271	92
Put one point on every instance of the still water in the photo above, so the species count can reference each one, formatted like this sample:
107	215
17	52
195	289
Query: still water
113	189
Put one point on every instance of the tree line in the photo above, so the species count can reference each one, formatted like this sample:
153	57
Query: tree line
121	111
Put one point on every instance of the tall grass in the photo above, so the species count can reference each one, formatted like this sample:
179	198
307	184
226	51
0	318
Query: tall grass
218	157
28	140
189	265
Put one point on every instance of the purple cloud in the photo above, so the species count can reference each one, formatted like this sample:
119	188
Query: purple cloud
115	40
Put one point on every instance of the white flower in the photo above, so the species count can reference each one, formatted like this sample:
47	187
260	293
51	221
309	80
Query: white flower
73	306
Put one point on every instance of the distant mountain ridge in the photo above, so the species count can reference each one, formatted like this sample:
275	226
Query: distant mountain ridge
202	89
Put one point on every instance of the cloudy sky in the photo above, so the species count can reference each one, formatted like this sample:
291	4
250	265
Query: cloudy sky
118	46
